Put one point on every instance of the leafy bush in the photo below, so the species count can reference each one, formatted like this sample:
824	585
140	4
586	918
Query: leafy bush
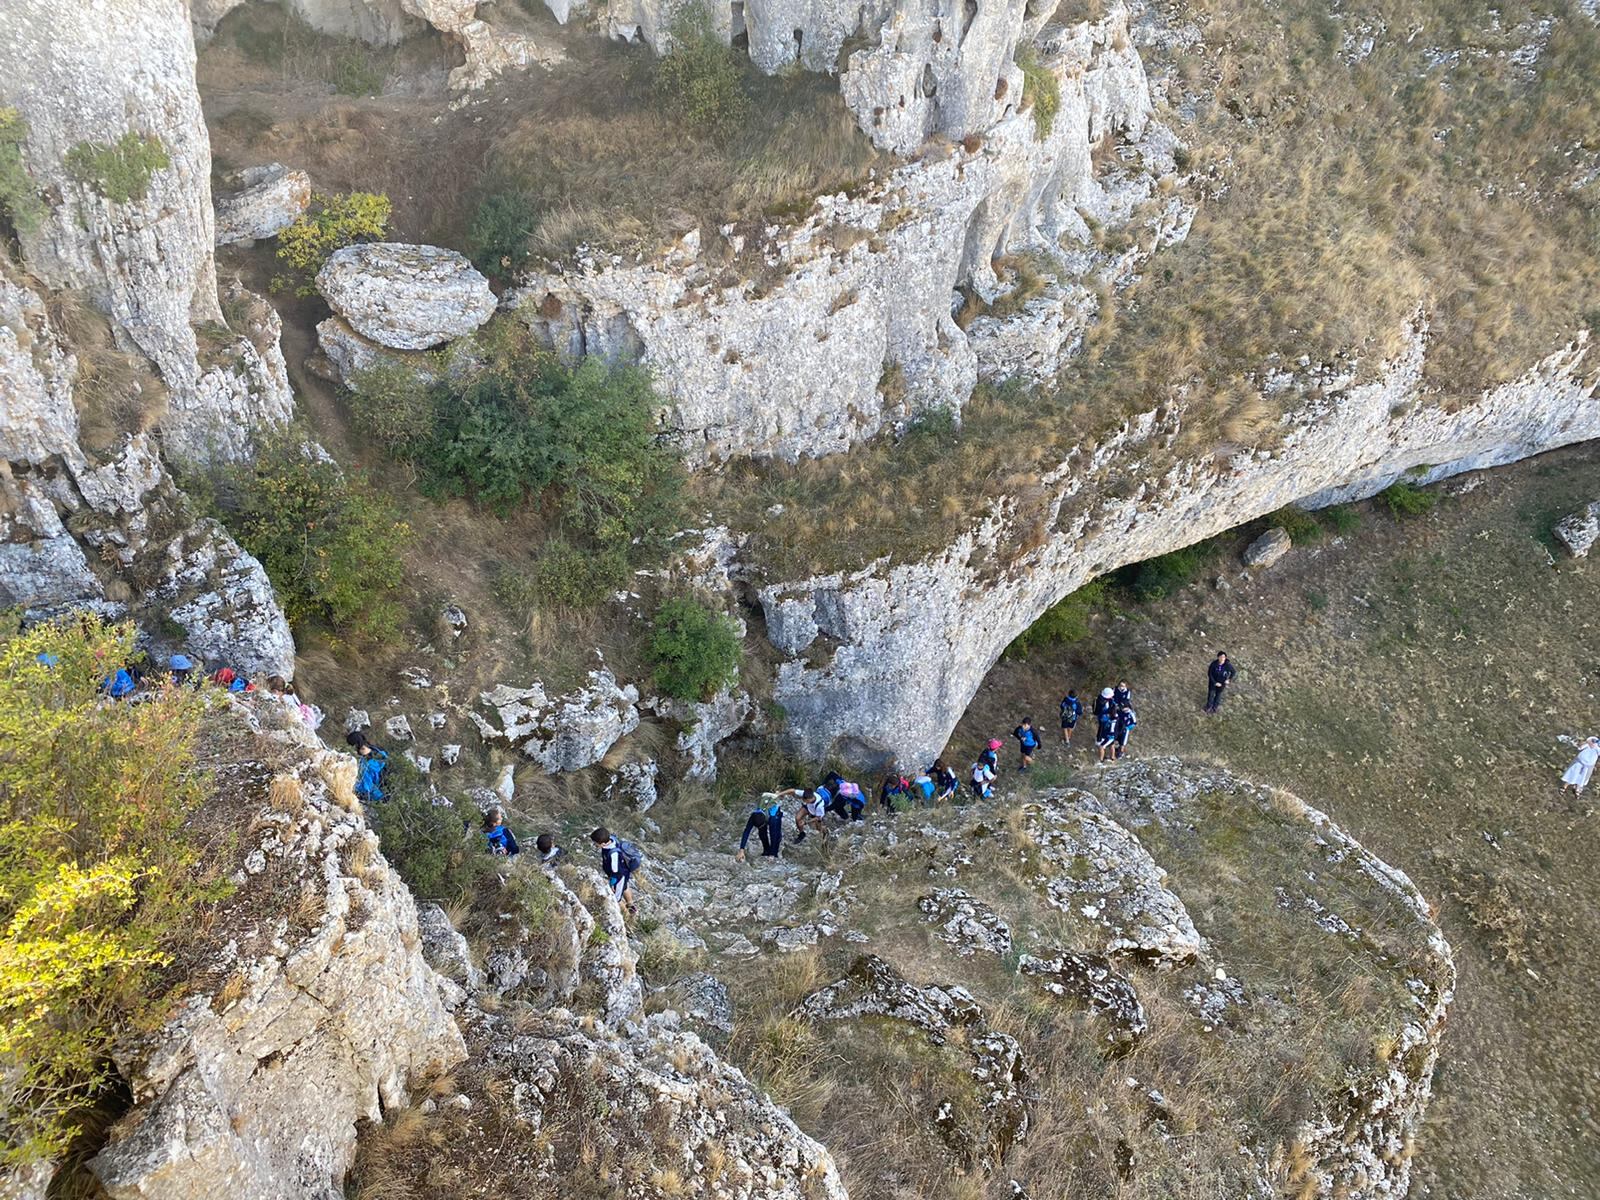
439	856
96	879
1158	578
121	171
1343	519
19	198
497	238
1407	499
1040	89
570	577
1300	525
393	406
1063	623
356	72
329	223
693	650
700	81
330	543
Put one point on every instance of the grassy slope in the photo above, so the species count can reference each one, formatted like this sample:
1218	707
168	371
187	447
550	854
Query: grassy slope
1413	681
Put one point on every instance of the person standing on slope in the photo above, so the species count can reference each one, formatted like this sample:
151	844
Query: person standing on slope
1217	676
1027	742
1071	712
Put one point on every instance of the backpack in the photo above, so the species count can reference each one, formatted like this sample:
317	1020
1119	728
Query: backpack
632	857
119	685
369	784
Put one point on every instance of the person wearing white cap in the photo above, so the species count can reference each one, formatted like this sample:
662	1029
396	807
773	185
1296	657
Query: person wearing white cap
1576	777
1102	703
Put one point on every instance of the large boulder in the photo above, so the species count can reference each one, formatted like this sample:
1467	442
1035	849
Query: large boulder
348	355
406	297
222	598
268	200
564	733
1267	549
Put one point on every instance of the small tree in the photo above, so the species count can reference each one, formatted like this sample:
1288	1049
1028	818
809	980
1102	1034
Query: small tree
497	238
693	650
700	80
329	223
97	872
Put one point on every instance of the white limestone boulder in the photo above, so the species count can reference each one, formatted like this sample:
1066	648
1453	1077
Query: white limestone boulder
406	297
564	733
1267	549
1579	532
268	200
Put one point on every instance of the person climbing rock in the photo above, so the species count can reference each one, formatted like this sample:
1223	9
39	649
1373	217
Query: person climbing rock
982	780
895	792
1122	728
811	805
854	798
945	783
549	852
1217	676
181	670
1071	714
370	764
767	822
1105	733
1576	777
619	859
922	787
498	834
1027	742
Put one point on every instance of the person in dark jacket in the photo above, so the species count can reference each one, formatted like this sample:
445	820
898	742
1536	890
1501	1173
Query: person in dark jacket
1071	713
1123	729
1121	696
549	852
1027	742
766	822
895	790
944	779
619	859
498	834
1217	677
1105	735
1102	704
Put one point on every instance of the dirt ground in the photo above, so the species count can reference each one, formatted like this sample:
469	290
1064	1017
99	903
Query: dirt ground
1420	680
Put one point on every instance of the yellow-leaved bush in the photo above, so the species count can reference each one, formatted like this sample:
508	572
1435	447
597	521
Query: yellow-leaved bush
98	875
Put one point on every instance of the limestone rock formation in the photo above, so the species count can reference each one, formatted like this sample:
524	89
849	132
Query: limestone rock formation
321	1011
966	922
634	782
1267	549
705	725
564	733
1092	980
224	601
268	200
908	642
406	297
843	323
1580	531
145	258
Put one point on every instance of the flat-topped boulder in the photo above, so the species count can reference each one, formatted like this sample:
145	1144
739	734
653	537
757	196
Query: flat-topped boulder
406	297
267	200
1580	531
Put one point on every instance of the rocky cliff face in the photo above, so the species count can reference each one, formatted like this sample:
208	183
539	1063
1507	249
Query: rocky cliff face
844	323
911	641
144	258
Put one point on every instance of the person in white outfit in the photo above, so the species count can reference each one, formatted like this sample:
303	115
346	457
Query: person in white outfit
1576	777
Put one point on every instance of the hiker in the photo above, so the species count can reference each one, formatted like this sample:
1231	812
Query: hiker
922	787
370	764
281	689
1102	704
1217	676
619	859
1105	733
1027	742
982	780
1121	696
991	755
230	680
181	670
549	852
895	789
812	804
498	834
1576	777
767	822
944	781
1122	728
119	685
854	798
1071	712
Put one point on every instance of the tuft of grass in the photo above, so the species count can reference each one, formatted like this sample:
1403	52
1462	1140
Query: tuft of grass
1041	91
1300	525
120	171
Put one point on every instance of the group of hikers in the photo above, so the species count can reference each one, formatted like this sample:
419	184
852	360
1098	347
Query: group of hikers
139	679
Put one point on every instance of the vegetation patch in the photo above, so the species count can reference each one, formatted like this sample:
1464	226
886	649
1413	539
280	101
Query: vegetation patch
329	223
19	197
121	171
700	80
1041	91
693	650
1404	499
1063	623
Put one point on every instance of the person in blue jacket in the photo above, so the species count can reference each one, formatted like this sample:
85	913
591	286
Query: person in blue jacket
1071	713
1105	734
1123	727
1027	741
370	764
498	834
766	822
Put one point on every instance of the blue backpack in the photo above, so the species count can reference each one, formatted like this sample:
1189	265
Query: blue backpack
632	856
119	685
369	784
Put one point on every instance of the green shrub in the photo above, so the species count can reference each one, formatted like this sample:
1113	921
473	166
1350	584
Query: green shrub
121	171
566	576
329	223
1343	519
393	406
700	80
1063	623
1041	90
356	72
1158	578
98	878
438	856
693	650
19	198
1300	525
1407	499
497	238
331	544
